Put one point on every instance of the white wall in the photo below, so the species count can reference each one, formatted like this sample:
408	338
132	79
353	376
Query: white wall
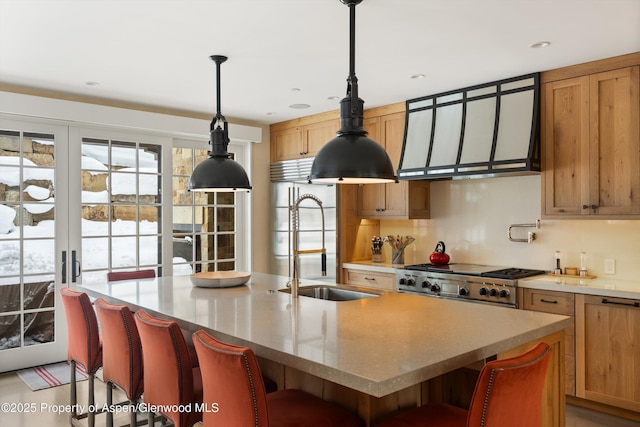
472	218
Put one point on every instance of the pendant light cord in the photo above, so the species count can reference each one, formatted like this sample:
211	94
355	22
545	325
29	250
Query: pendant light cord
218	59
353	80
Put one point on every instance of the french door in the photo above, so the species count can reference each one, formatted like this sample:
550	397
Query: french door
33	237
117	187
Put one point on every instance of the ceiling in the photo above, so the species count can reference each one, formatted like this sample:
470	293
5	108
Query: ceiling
284	52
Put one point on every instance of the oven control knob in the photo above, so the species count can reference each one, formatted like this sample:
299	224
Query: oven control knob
402	281
483	291
411	282
435	288
463	292
426	284
504	293
493	292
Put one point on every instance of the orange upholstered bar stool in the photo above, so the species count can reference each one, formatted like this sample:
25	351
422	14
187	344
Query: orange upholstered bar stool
170	380
114	276
84	346
121	354
508	393
231	379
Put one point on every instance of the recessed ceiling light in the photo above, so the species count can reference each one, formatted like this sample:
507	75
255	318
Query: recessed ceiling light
296	89
90	83
333	98
271	113
299	106
539	45
417	76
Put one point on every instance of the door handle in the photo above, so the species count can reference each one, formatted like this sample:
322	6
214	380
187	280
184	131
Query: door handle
74	262
64	266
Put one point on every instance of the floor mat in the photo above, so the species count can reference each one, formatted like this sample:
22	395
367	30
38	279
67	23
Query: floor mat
46	376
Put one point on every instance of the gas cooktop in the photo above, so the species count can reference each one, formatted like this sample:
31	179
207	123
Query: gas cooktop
477	270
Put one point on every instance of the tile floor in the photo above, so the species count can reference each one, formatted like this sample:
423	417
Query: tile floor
13	390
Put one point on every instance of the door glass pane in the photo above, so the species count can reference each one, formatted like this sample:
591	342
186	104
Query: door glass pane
10	331
121	184
38	327
27	238
38	256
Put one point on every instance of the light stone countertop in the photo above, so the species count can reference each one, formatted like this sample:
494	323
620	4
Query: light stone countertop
601	286
375	345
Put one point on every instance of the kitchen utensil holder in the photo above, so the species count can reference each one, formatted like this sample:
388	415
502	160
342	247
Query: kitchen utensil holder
377	255
397	256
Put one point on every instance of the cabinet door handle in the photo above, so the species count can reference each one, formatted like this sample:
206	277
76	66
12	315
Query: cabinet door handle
548	301
585	207
628	304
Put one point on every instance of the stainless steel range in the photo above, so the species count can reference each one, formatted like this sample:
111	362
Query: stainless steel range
470	282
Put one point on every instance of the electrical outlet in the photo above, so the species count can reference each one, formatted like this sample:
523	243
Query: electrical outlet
609	266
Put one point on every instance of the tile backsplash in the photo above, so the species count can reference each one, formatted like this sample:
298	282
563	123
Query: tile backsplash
472	218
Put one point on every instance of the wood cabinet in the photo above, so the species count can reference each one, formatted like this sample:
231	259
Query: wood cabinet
386	281
608	350
591	144
402	200
557	303
300	141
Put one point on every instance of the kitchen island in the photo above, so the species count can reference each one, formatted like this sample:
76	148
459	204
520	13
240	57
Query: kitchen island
374	355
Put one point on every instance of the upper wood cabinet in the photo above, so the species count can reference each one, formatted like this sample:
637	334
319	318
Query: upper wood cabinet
300	141
591	145
402	200
607	350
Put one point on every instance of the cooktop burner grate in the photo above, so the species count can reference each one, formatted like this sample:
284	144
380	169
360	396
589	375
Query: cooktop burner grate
512	273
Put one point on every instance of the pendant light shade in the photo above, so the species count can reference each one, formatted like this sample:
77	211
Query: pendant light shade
219	172
351	157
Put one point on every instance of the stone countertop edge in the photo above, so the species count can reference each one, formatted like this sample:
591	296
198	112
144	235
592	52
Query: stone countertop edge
605	287
349	351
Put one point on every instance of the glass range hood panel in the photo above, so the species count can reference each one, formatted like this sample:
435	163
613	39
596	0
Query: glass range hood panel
514	128
480	130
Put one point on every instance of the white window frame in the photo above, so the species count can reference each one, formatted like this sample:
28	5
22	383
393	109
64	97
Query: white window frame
242	155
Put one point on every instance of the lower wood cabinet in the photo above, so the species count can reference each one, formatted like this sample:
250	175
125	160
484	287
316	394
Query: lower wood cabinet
608	350
557	303
386	281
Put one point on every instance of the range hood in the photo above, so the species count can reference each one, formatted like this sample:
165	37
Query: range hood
480	131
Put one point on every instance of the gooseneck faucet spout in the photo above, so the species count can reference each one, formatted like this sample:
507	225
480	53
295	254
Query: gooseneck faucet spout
295	219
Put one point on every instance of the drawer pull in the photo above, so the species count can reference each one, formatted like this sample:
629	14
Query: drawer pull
630	304
548	301
369	278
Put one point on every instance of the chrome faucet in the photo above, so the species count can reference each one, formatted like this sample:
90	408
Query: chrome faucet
295	281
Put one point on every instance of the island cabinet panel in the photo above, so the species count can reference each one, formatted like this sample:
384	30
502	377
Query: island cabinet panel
402	200
368	279
290	141
608	350
557	303
591	145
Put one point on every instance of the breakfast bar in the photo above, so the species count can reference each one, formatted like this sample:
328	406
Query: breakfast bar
375	355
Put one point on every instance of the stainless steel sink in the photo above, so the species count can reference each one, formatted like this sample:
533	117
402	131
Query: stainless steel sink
333	293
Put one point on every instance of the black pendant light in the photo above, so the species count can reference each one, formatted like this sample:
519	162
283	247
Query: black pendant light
351	157
219	172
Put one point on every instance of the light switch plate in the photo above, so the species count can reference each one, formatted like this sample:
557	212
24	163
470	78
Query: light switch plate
609	266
